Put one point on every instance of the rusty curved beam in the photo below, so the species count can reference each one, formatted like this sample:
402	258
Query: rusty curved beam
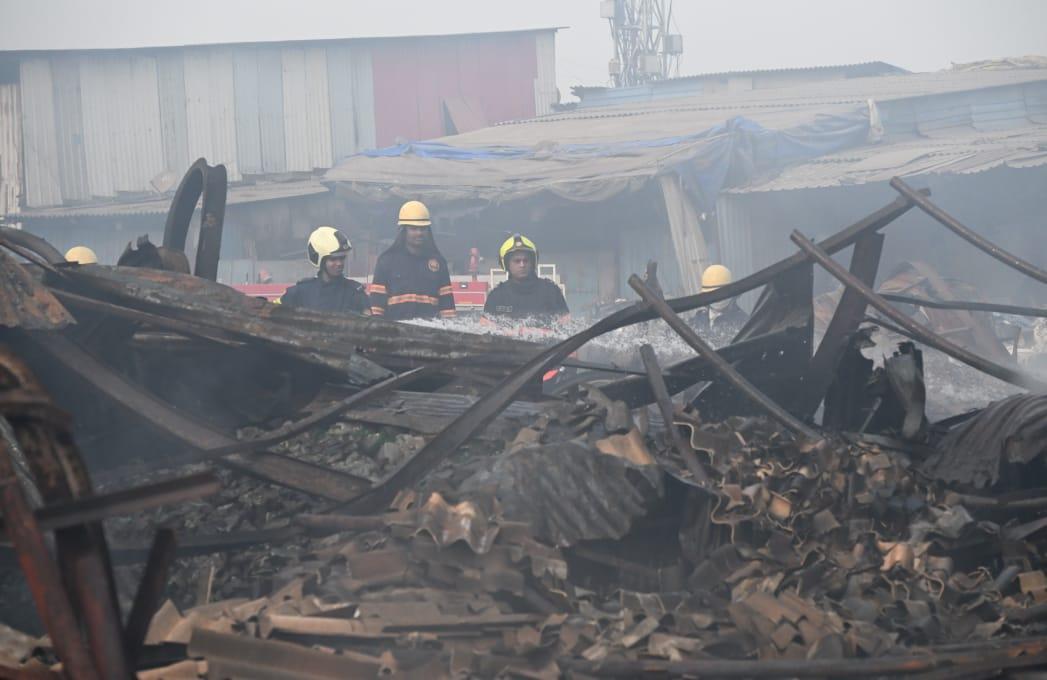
183	205
32	243
212	217
41	573
918	331
967	234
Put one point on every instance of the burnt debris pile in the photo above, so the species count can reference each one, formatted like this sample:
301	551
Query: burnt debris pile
199	484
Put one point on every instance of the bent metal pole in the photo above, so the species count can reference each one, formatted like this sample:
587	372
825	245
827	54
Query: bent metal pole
720	364
918	331
966	233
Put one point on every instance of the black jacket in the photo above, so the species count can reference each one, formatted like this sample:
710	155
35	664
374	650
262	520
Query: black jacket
531	297
732	318
407	286
337	295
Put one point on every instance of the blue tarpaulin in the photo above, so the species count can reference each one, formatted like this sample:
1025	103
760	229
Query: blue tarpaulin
729	154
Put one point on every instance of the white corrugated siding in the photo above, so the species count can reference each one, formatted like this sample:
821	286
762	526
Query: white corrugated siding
293	73
210	107
170	71
735	233
688	242
340	89
95	98
42	184
545	94
10	149
363	99
248	135
123	143
307	114
136	141
318	109
69	129
271	109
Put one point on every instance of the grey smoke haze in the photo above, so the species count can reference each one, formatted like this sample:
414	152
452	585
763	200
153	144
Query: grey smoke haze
719	35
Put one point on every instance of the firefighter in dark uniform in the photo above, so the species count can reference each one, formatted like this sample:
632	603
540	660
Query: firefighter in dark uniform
523	294
329	290
725	314
411	279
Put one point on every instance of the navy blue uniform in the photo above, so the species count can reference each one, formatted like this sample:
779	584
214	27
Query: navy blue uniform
407	286
531	297
336	295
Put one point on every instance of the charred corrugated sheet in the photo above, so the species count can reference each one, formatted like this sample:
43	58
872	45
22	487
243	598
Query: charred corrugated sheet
1010	431
321	338
24	303
568	492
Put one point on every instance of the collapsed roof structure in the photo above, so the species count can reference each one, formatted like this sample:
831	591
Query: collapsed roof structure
598	529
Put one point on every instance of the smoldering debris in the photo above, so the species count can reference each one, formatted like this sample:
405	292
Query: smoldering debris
369	498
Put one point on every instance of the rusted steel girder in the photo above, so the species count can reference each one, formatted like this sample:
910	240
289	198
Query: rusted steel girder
918	331
665	405
865	261
726	371
967	305
967	234
150	592
41	574
56	467
125	501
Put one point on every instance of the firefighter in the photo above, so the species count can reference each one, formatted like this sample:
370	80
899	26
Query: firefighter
725	314
329	290
523	294
81	255
411	279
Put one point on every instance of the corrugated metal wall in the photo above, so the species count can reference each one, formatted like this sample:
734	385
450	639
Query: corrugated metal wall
38	134
72	163
734	230
96	125
170	71
210	108
10	149
545	92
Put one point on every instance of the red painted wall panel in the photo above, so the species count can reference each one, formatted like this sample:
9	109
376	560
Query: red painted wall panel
413	77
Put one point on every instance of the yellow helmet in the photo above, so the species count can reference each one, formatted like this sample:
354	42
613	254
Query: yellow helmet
326	241
414	214
81	255
516	243
714	276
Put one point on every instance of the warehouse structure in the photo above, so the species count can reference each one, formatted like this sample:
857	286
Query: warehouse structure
725	178
91	139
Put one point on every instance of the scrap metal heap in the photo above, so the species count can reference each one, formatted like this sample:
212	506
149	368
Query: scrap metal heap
388	499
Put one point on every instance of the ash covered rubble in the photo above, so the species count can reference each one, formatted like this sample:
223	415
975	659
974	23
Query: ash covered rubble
397	503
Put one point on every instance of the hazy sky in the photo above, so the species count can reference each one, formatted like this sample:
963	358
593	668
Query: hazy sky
719	35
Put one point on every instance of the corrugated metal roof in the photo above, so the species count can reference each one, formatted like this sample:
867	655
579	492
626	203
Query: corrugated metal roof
108	46
254	193
957	153
874	67
591	176
849	91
